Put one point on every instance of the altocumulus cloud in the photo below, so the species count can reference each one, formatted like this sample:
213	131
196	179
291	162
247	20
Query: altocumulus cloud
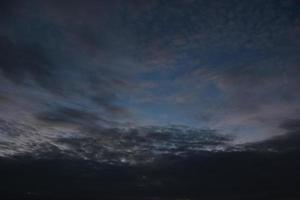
75	68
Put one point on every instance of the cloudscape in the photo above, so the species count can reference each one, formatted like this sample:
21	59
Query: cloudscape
150	99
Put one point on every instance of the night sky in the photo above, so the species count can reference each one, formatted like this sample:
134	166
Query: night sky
139	86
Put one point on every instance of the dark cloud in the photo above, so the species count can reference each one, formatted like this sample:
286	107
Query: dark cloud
91	141
289	142
291	125
67	115
143	144
104	100
40	51
20	61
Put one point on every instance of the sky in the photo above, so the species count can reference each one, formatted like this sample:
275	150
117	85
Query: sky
75	70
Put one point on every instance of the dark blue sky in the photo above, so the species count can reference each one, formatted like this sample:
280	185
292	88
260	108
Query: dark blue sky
231	66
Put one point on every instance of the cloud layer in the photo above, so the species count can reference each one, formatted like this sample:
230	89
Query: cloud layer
83	66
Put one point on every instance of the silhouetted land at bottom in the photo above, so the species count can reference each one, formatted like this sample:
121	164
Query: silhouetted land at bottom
235	175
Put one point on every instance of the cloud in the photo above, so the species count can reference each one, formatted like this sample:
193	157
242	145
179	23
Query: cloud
19	61
288	142
102	81
67	115
113	145
291	125
51	61
206	64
